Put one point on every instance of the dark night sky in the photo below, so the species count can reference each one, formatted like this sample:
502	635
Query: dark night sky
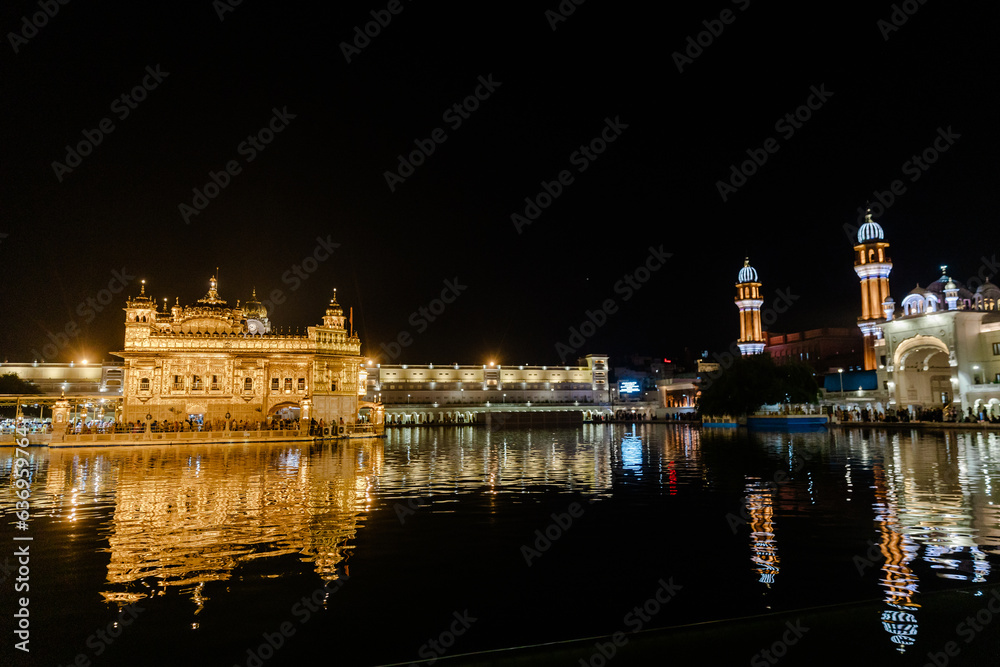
323	175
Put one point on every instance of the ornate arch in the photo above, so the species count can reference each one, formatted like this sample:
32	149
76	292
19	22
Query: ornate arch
914	343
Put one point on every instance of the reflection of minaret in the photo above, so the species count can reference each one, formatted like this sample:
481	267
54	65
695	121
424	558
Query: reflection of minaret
872	264
760	505
898	580
749	301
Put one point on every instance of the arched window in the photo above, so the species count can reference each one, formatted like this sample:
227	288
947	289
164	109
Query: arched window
144	384
248	384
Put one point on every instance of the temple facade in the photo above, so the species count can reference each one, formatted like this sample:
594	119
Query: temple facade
211	362
940	348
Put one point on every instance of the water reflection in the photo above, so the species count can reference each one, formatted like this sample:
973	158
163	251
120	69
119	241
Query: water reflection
430	461
180	517
183	516
935	493
898	550
763	543
632	453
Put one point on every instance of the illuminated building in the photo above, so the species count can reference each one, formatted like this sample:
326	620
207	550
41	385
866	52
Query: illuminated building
70	378
872	264
457	393
942	348
822	349
212	362
679	395
749	301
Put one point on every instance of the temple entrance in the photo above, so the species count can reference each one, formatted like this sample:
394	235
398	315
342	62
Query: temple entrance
288	411
923	373
196	414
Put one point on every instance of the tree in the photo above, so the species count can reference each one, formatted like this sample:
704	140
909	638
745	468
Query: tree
799	382
753	381
11	383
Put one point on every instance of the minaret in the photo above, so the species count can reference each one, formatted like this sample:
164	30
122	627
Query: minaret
872	264
749	301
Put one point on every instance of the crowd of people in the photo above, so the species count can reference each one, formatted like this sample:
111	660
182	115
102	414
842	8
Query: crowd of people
29	425
81	426
949	414
85	427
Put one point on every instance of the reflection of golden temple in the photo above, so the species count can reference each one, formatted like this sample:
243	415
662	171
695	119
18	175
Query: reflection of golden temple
760	506
188	515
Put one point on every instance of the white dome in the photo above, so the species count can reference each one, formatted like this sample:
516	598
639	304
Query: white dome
870	231
748	274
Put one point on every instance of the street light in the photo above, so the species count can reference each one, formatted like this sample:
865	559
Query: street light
840	371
